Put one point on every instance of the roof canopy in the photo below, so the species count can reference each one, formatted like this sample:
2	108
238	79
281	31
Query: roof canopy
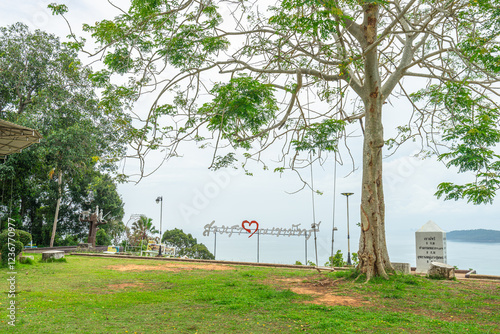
13	138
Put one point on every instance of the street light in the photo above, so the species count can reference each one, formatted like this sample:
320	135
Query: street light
348	237
159	199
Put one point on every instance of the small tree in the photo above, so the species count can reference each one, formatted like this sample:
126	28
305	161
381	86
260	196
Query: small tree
337	260
198	251
143	229
177	238
186	245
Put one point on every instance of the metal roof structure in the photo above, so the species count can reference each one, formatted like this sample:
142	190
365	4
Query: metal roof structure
14	138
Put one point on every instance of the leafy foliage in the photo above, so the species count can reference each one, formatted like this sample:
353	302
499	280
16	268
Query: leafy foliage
198	251
177	238
13	241
15	247
337	260
24	237
186	245
240	108
102	239
4	236
320	136
472	131
45	86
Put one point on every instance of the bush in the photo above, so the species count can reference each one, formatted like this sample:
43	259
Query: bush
19	235
4	236
69	240
17	248
101	238
19	238
24	237
336	261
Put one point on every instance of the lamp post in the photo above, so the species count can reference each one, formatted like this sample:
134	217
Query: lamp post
159	199
348	236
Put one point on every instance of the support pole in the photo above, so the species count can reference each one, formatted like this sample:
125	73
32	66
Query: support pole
333	210
305	238
348	236
258	245
315	243
215	243
159	199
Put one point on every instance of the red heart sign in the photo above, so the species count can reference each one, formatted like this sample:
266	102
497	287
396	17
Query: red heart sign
246	222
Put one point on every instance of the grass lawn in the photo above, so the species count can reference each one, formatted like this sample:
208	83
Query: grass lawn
109	295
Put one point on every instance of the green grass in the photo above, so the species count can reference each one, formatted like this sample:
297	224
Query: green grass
85	295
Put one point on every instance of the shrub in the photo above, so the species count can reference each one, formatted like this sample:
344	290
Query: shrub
16	246
101	238
19	238
336	261
69	240
4	236
24	237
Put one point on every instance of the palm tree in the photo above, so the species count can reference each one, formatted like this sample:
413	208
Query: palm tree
143	228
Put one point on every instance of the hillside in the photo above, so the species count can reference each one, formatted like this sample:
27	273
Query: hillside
480	235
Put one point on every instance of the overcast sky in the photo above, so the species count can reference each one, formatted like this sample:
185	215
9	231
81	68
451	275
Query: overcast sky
193	196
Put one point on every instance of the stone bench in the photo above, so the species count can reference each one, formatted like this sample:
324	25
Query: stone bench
53	254
403	268
442	270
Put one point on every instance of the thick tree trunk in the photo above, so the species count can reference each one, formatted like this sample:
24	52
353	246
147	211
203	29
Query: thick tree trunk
372	254
56	215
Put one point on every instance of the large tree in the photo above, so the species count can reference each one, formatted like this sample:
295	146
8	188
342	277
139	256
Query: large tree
45	86
270	61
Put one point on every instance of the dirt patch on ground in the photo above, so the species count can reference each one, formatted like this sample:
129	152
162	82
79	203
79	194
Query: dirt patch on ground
321	290
172	267
122	286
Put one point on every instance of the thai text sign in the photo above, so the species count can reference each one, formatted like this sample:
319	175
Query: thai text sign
430	242
248	227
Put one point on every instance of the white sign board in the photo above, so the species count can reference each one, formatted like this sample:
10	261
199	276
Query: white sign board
430	242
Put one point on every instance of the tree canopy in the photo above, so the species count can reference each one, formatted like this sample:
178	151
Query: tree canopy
186	245
45	86
268	63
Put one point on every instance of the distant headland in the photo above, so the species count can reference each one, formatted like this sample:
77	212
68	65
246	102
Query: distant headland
480	235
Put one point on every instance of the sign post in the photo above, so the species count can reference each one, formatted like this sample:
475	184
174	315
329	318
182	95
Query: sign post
430	242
